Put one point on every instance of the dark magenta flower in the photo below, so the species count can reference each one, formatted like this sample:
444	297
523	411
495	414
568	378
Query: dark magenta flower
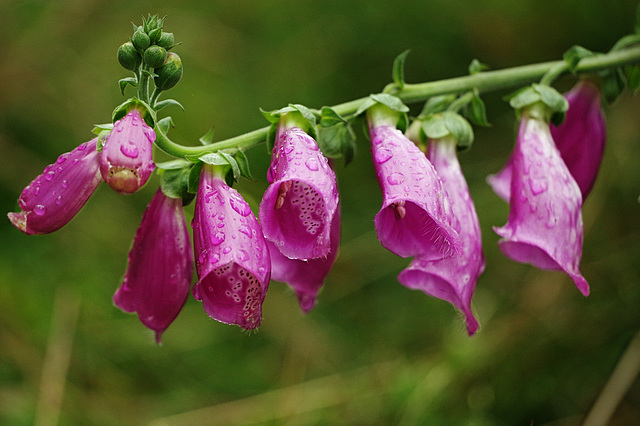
160	266
232	258
297	208
545	221
53	198
416	217
306	277
126	160
580	139
452	279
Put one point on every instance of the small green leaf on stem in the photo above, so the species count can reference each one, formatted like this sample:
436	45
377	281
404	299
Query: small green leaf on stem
398	69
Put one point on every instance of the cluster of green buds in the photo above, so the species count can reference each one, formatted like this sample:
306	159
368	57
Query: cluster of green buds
147	55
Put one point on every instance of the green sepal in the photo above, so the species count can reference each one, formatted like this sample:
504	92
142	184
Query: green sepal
398	69
476	67
173	164
633	77
207	138
539	93
129	81
574	55
167	40
174	182
221	158
155	34
167	102
392	102
99	128
476	111
194	177
387	108
148	114
149	73
243	165
164	125
436	104
613	83
438	126
336	137
300	115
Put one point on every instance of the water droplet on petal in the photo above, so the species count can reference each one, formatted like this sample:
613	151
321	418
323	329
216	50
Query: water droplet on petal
383	155
226	250
395	178
312	164
39	209
239	205
59	200
130	150
243	256
65	184
245	230
538	186
217	238
50	175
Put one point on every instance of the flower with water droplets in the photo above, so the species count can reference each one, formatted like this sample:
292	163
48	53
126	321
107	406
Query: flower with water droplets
545	221
580	139
416	217
298	207
53	198
306	277
232	258
160	266
452	279
126	160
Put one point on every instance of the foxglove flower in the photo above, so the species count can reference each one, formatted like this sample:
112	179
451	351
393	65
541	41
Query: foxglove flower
126	160
452	279
306	277
232	258
545	221
298	207
580	139
160	268
416	217
53	198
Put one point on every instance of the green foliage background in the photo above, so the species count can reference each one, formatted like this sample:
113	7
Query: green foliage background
372	352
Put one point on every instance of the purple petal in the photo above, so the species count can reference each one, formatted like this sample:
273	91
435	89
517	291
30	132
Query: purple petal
545	221
298	207
581	137
232	258
452	279
126	160
160	266
416	217
306	277
52	199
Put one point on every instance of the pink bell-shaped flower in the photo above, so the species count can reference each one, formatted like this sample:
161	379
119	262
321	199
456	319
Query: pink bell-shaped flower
232	258
53	198
306	277
298	207
580	139
452	279
545	221
160	268
126	160
416	217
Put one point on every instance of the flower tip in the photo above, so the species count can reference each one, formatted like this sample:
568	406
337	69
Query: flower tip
472	323
582	284
158	335
307	302
124	181
19	220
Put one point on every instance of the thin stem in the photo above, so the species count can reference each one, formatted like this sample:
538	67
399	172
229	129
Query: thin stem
154	97
143	85
412	93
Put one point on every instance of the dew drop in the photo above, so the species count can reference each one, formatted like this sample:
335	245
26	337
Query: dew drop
395	178
243	256
82	147
245	230
383	155
59	200
39	209
65	184
217	238
239	205
538	186
226	250
130	150
50	175
150	134
312	164
62	158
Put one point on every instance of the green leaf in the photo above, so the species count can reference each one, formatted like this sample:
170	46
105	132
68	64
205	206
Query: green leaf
476	111
207	138
172	165
551	97
175	184
235	168
328	117
436	104
214	158
164	125
121	110
390	101
613	83
306	113
365	105
398	69
271	116
633	77
523	97
129	81
459	128
166	103
434	127
243	164
194	177
99	128
476	67
574	55
338	141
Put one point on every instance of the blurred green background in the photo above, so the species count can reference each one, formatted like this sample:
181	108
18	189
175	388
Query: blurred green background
371	352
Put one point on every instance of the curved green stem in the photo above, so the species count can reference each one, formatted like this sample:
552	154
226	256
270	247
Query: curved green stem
411	93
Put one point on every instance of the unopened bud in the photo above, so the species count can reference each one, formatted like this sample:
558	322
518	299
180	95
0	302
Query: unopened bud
170	73
140	40
155	56
167	40
129	57
154	35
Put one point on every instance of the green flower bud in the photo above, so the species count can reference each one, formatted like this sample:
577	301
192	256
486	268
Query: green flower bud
170	73
154	35
155	56
129	57
140	40
167	40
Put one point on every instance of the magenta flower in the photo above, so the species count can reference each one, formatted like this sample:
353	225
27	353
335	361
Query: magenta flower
416	217
297	208
306	277
452	279
545	221
580	139
158	276
53	198
126	160
232	258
